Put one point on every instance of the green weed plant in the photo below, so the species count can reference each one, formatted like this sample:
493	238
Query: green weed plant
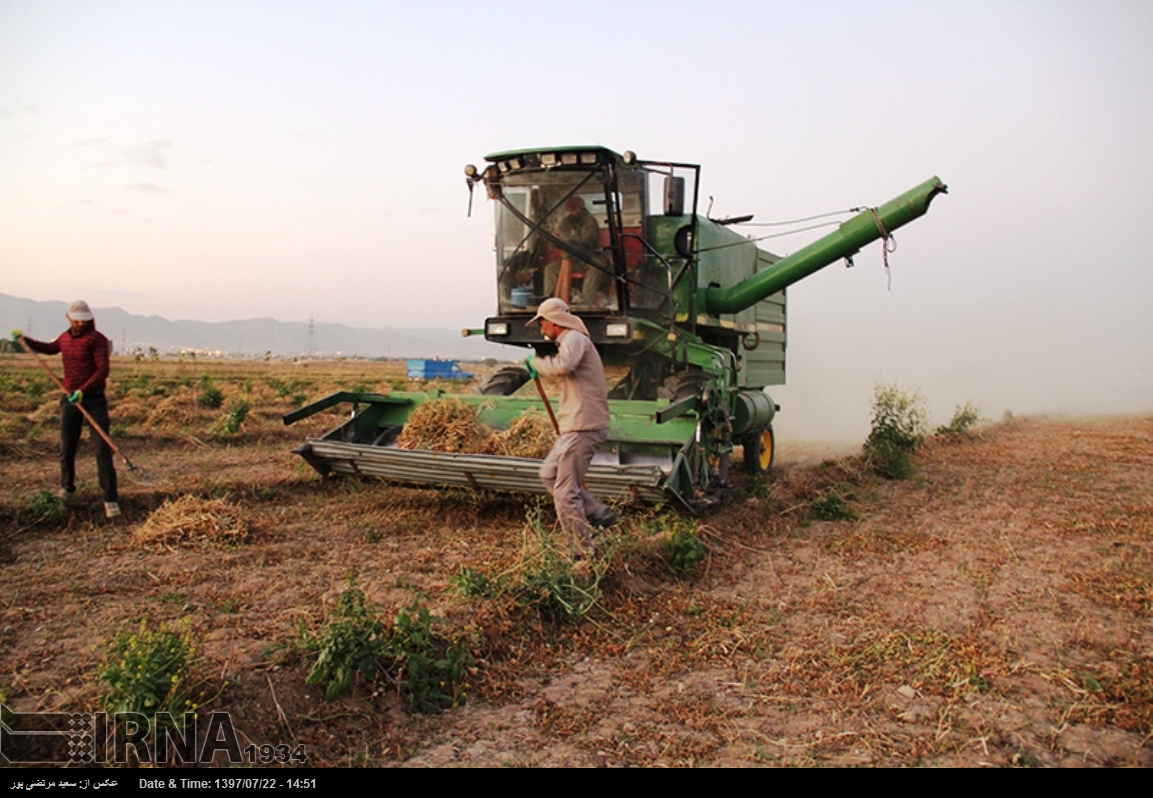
146	671
47	508
965	417
210	396
430	669
351	641
553	587
229	424
833	506
681	548
900	421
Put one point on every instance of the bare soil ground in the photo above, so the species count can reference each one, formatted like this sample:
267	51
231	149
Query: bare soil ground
994	609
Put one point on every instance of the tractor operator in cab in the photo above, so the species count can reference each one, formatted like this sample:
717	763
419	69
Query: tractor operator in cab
579	229
583	421
86	364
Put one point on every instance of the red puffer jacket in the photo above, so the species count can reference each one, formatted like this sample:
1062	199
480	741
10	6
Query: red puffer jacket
85	357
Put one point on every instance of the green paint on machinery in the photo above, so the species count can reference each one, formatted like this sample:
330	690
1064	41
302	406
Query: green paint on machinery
692	312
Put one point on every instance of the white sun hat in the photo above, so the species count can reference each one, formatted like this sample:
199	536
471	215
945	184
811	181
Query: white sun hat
79	311
556	310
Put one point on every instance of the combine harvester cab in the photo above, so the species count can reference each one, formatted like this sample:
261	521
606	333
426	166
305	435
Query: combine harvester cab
693	313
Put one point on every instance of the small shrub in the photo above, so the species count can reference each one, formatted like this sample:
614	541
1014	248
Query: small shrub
471	583
900	420
229	424
35	391
965	417
555	589
352	639
47	508
832	507
431	670
682	549
145	671
265	494
210	396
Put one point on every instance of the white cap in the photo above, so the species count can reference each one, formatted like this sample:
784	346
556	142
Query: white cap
556	310
79	311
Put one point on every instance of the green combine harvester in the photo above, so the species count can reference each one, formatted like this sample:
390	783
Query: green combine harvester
693	313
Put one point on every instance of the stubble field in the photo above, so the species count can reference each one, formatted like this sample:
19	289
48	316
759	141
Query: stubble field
994	609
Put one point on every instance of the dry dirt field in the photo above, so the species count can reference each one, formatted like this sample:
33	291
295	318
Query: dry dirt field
994	609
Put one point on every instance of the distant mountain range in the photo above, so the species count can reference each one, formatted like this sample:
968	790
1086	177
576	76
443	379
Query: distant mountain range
249	337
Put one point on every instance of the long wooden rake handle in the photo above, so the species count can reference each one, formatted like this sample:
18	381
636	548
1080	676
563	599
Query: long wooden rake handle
547	406
80	407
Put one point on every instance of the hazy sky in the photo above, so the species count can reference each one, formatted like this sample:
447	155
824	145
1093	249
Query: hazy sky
223	160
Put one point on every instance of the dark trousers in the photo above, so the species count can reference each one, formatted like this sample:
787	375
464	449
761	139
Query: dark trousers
71	424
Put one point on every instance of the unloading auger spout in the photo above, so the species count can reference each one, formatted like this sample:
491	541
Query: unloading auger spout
864	228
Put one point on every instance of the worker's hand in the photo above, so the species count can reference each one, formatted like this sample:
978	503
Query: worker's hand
77	396
532	372
17	334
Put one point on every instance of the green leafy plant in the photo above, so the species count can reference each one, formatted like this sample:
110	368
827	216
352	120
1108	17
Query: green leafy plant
47	508
549	583
429	668
229	424
471	583
900	420
351	641
35	390
682	548
965	417
210	396
432	670
833	506
555	590
278	385
145	671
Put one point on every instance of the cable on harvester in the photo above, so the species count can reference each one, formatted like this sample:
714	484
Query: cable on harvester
888	240
886	237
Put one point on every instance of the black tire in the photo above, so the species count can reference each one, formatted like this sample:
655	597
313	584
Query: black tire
760	449
505	381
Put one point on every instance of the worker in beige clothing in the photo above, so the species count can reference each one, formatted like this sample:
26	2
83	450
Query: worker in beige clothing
583	421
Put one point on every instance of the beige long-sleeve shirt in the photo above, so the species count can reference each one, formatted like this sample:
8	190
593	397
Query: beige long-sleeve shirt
584	398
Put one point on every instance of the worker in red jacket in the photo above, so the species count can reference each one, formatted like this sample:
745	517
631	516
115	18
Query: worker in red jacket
86	361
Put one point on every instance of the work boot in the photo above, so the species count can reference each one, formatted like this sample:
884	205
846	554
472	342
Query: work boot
604	518
111	509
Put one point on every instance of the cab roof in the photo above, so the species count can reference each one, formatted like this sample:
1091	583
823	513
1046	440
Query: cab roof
499	156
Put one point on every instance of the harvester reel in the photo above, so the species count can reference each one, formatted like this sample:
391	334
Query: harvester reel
505	381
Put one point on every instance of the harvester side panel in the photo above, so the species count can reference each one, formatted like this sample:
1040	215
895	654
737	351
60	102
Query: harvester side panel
764	363
724	258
